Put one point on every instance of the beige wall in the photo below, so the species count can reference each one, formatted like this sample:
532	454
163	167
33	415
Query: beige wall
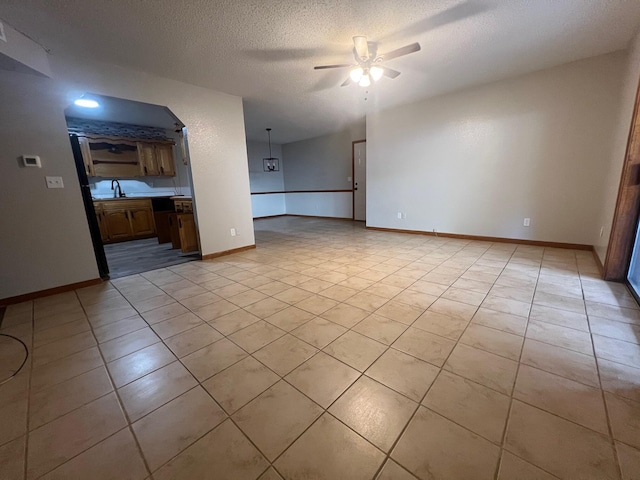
45	240
481	160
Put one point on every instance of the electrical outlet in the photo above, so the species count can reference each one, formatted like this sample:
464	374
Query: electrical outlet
404	215
527	222
399	214
233	232
54	182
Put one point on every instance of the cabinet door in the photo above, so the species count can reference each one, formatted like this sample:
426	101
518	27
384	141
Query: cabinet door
164	157
104	228
118	224
147	159
142	221
86	156
188	234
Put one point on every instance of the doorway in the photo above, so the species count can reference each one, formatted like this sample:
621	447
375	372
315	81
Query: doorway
359	167
135	178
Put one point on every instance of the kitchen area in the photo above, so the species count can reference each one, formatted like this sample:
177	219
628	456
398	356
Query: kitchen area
137	173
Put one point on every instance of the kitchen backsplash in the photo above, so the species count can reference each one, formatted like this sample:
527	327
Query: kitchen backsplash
83	125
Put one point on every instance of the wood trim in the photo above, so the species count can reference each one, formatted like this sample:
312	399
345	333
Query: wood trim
211	256
536	243
316	216
625	218
303	191
49	291
353	175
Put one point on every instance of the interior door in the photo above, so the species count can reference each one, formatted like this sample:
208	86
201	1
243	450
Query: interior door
360	180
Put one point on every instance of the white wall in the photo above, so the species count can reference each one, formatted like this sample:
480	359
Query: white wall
261	181
48	243
618	150
321	163
479	161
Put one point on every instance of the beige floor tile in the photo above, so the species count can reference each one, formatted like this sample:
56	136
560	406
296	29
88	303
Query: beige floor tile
270	474
12	459
273	288
560	361
322	378
129	343
436	448
119	328
514	307
483	367
234	321
355	350
441	324
316	304
292	295
558	446
521	294
154	390
415	299
285	354
424	345
276	418
621	314
478	408
188	342
625	419
319	332
453	309
50	403
571	400
500	321
575	340
367	301
213	358
44	336
65	368
384	290
289	318
164	313
617	350
393	471
104	317
345	315
329	450
224	450
267	307
239	384
429	288
512	467
152	303
173	326
62	348
193	303
246	298
614	329
115	457
400	312
338	293
13	421
173	427
256	336
59	441
473	285
380	328
215	310
620	379
376	412
495	341
314	285
135	365
560	302
556	316
357	283
403	373
629	459
464	296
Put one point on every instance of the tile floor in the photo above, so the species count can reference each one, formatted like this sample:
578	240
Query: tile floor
332	352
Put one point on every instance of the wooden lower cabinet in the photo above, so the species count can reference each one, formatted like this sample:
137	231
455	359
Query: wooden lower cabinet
188	232
122	220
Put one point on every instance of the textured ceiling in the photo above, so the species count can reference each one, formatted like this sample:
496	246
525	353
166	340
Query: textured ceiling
265	50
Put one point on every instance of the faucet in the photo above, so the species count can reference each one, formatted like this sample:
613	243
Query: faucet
117	192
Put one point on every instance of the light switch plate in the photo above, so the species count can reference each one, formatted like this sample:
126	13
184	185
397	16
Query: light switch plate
54	182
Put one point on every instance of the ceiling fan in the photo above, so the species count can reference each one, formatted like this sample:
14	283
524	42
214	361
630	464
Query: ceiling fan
369	66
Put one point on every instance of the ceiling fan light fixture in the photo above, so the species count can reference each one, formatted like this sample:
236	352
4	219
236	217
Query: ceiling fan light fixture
376	72
365	81
356	74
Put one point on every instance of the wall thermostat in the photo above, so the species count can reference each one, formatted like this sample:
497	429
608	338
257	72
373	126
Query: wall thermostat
31	161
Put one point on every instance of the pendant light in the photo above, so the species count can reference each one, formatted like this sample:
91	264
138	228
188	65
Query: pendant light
271	164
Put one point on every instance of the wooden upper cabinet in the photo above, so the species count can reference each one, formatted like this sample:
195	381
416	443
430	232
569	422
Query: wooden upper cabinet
156	159
86	156
164	157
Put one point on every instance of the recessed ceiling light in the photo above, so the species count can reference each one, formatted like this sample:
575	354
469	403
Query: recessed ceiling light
86	103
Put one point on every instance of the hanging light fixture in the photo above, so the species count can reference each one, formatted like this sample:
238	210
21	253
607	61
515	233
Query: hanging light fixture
376	72
356	74
365	81
270	164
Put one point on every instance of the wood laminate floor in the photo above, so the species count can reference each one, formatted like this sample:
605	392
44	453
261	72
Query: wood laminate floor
137	256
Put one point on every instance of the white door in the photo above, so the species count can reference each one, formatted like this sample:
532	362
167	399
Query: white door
360	181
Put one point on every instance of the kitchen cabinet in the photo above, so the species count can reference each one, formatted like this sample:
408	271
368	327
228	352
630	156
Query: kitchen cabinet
156	159
188	233
86	156
122	220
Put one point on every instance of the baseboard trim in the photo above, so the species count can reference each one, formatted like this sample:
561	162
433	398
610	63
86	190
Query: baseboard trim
270	216
598	263
49	291
535	243
317	216
211	256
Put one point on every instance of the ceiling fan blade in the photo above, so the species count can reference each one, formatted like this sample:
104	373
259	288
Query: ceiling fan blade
324	67
406	50
361	46
390	72
346	83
